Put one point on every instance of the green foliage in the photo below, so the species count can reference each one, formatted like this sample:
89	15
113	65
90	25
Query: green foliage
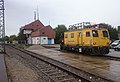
6	38
12	38
112	31
21	37
59	30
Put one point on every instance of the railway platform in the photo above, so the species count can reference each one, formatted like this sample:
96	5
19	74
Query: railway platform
114	53
104	68
3	72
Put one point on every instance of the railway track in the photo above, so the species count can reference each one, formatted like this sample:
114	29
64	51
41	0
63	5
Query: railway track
48	71
53	71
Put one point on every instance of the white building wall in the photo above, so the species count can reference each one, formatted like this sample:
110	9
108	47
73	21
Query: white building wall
29	40
35	40
39	40
44	40
52	41
27	31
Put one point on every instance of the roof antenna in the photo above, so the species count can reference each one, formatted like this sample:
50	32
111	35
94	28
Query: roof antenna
34	15
37	13
49	22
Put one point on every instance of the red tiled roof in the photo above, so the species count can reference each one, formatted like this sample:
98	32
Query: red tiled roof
46	31
34	25
50	32
39	29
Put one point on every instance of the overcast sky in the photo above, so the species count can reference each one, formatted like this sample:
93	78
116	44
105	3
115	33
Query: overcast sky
21	12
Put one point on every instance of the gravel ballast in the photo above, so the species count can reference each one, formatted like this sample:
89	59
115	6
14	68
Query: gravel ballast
19	72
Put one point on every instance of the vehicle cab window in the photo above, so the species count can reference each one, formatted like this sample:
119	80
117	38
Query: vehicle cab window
80	34
66	35
95	33
72	35
87	34
105	33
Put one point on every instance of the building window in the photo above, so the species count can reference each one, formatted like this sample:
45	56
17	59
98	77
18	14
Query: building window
66	35
37	38
95	33
44	38
87	34
72	35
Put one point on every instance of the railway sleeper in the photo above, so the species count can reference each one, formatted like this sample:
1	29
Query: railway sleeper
46	69
57	74
50	71
61	77
68	80
43	67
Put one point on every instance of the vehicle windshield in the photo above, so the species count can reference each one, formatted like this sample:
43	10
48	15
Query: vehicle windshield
115	42
118	45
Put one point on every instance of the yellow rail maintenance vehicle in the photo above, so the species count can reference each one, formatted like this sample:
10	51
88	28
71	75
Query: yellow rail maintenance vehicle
86	38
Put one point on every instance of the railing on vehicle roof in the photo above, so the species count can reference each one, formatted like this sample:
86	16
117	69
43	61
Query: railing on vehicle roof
83	25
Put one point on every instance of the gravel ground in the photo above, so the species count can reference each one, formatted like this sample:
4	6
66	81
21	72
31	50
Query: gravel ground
52	46
19	72
35	47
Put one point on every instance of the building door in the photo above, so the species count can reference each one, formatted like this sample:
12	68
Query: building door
49	41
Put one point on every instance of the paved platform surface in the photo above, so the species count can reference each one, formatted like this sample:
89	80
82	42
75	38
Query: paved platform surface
3	73
57	47
108	69
114	53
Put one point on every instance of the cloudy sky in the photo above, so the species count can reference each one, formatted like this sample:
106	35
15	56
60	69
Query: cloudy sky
21	12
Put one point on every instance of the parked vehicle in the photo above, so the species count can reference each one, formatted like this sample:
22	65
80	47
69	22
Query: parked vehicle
117	48
115	43
86	39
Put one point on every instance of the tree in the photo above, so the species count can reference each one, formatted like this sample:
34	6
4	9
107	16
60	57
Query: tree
6	38
112	31
12	38
59	30
21	37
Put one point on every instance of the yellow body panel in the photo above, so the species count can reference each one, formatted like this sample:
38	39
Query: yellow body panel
71	41
81	39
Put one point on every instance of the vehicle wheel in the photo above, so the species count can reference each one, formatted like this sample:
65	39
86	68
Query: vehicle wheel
61	47
115	49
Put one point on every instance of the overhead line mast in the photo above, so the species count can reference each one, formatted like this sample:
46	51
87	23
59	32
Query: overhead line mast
2	27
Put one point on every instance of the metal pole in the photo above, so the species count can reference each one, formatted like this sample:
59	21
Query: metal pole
2	27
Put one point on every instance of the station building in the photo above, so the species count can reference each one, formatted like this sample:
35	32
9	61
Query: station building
37	33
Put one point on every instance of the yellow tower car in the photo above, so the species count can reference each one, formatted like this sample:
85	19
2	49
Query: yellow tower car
86	38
